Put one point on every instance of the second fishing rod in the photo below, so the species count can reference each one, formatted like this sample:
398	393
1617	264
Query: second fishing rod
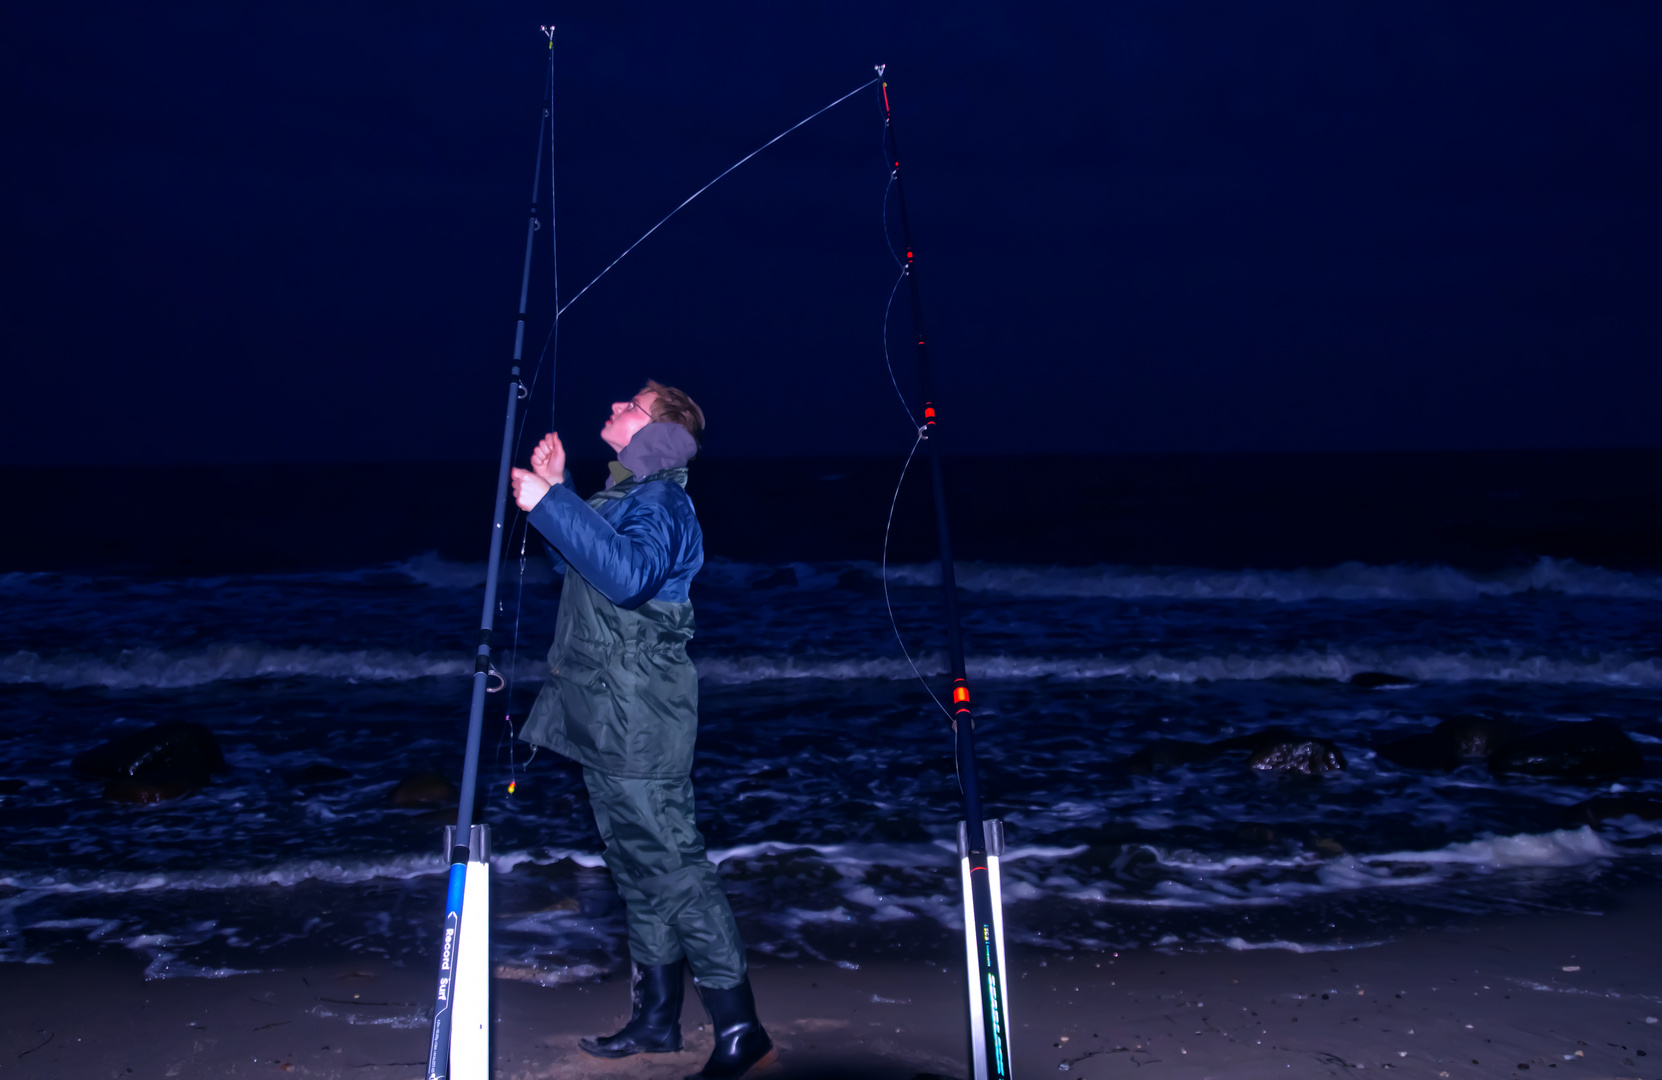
980	841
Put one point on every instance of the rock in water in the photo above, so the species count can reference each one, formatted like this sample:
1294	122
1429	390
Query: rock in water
1476	737
178	746
1274	749
163	762
149	789
1305	757
1606	807
1586	748
425	788
1450	744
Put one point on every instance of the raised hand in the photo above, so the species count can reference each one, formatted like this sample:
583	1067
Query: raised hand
529	488
548	459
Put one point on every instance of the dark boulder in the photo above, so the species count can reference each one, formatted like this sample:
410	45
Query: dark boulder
1274	749
174	747
167	761
1302	757
1587	748
1476	737
1450	744
425	788
1378	680
150	789
1606	807
1278	749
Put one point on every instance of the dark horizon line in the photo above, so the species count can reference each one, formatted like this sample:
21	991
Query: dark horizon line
865	457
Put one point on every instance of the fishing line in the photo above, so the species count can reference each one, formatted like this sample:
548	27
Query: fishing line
561	311
893	176
895	498
894	382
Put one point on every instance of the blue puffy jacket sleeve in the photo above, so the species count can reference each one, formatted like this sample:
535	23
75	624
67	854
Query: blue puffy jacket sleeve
628	561
555	561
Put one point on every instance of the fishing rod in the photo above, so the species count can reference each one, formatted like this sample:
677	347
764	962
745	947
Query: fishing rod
980	841
461	1013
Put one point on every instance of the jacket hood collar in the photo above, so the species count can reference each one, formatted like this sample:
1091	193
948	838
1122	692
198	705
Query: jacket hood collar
657	446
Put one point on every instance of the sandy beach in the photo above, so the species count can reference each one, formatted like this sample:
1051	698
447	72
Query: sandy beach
1513	997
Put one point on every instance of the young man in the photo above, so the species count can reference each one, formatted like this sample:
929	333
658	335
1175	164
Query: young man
622	701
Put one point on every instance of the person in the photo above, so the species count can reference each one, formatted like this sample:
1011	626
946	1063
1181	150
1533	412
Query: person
621	699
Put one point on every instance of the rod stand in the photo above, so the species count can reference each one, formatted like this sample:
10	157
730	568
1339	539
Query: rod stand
989	1005
478	843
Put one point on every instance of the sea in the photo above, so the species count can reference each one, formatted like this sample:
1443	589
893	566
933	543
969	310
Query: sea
1107	603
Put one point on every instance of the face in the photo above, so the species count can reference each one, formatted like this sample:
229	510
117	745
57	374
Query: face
627	418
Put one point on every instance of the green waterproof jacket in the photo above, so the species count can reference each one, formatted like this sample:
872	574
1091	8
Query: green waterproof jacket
621	695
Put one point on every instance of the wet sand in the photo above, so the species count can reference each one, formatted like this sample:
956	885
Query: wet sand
1564	995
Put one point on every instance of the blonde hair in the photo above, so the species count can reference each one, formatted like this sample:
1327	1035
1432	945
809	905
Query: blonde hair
673	406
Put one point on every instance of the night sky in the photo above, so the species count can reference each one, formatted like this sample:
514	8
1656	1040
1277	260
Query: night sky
293	232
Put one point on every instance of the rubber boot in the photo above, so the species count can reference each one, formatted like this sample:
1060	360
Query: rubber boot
654	1025
741	1044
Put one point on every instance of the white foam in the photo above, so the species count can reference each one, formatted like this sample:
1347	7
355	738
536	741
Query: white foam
549	977
1242	945
1563	847
412	1021
166	965
282	875
1237	881
1348	581
1578	991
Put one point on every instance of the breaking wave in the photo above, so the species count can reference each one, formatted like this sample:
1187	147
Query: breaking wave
282	875
1347	581
134	669
406	867
1454	667
1197	881
153	668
